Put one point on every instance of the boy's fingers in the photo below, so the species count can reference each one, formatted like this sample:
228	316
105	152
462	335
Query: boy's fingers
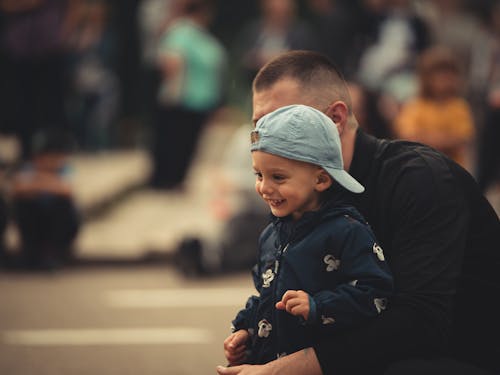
297	310
236	359
288	295
292	302
237	350
227	341
239	338
236	356
280	305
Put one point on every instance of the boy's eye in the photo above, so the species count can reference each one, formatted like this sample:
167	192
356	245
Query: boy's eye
258	175
278	177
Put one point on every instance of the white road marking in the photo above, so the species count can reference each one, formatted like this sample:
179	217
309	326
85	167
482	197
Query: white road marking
117	336
150	298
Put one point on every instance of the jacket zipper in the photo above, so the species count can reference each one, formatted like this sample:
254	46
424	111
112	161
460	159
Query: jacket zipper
281	251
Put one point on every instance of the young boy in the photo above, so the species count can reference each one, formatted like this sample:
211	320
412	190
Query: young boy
320	269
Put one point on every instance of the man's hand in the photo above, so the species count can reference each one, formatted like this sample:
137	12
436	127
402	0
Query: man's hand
295	302
235	347
242	370
303	362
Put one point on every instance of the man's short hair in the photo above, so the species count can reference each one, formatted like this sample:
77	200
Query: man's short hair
312	70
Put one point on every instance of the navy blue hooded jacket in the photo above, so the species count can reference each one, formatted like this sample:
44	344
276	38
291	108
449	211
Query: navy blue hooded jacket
331	254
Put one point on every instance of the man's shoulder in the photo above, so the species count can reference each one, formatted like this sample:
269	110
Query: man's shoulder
415	172
399	155
372	154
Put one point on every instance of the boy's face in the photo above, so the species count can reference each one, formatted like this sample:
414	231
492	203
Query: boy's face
289	187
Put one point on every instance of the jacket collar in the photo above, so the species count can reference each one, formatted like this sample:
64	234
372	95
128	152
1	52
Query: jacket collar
290	230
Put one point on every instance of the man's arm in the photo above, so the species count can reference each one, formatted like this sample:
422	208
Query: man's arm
303	362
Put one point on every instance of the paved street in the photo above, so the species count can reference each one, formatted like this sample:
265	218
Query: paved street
116	320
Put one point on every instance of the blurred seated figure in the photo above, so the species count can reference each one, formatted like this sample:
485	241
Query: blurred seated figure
43	205
438	116
240	213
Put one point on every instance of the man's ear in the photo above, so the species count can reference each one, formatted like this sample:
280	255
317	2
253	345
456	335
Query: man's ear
323	181
339	113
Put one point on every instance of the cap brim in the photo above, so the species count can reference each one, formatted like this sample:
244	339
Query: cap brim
346	180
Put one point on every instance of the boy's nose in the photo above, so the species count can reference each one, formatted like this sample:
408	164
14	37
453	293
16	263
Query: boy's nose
265	187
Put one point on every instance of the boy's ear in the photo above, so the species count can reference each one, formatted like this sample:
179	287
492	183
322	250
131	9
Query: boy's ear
324	181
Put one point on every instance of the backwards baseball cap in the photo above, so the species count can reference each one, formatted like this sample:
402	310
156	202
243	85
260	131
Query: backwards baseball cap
302	133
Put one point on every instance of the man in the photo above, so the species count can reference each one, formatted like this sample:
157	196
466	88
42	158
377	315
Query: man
439	234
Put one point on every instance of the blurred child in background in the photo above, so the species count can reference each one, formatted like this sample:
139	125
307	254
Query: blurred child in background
43	204
439	116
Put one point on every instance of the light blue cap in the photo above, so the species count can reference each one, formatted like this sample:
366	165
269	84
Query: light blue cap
299	132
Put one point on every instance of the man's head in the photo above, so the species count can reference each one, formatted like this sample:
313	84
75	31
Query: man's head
309	78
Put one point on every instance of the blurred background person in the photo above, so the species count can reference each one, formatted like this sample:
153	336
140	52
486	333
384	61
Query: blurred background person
33	82
388	64
43	204
277	28
344	28
439	116
385	67
455	24
93	85
153	17
239	212
365	105
192	63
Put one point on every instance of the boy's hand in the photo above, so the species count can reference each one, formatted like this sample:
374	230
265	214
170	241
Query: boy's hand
295	302
235	347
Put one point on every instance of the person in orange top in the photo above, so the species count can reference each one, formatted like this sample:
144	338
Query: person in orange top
438	116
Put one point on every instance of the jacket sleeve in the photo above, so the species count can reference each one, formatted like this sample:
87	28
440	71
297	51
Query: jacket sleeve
428	224
366	281
245	316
